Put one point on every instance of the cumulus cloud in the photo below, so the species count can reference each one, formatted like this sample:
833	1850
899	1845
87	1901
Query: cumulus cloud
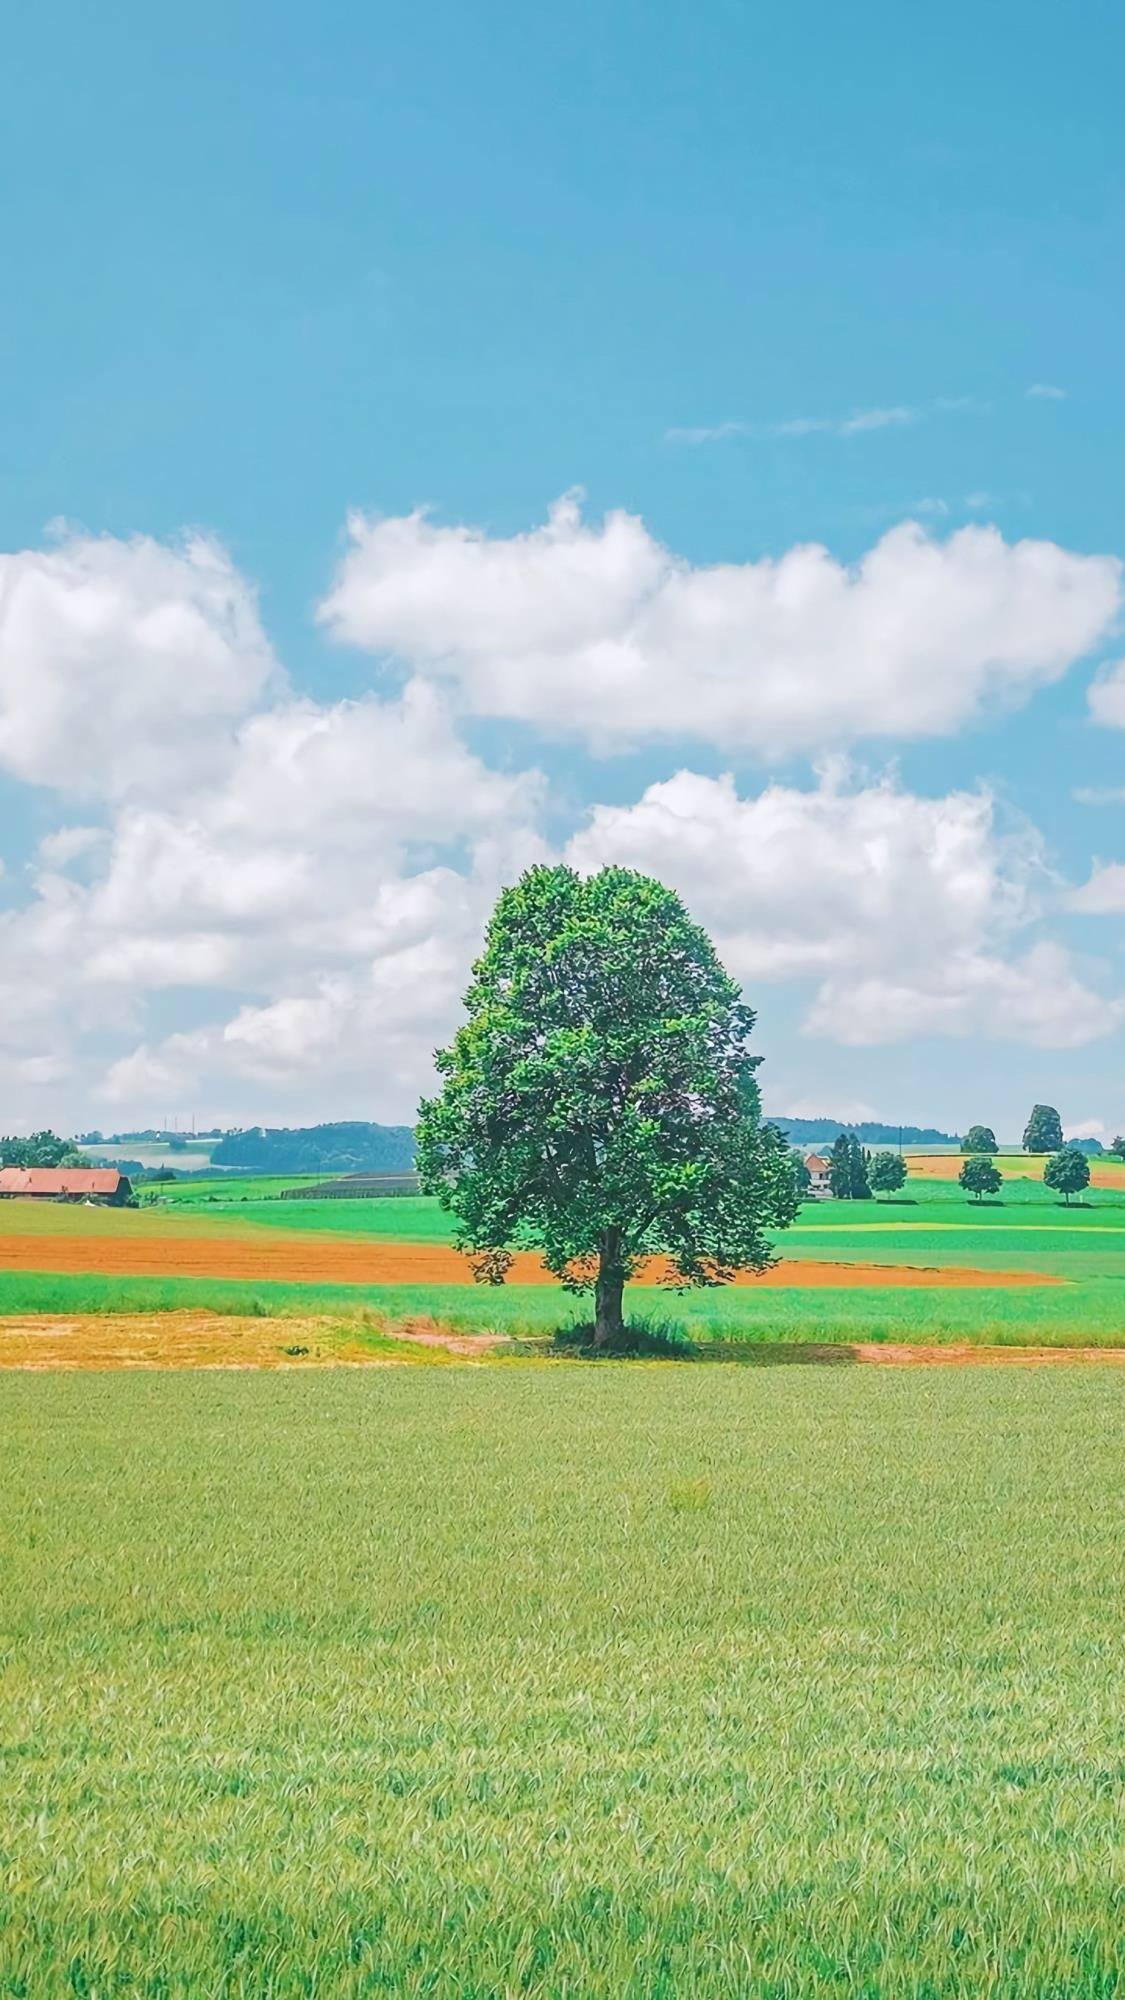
1104	894
598	630
906	912
1107	696
123	664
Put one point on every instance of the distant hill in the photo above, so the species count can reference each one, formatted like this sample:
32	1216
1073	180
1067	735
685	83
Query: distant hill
354	1148
817	1131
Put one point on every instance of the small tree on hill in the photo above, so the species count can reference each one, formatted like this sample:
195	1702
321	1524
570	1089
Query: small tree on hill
980	1176
840	1168
600	1101
1067	1172
1043	1132
979	1139
888	1173
1118	1147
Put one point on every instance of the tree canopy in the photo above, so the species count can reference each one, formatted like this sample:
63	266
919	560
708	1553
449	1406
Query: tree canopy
40	1149
979	1139
888	1173
600	1102
980	1176
1067	1172
1043	1132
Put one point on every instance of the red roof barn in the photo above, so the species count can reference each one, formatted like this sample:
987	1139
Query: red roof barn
103	1184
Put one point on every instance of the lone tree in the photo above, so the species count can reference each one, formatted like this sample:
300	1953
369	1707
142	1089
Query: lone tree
1117	1147
980	1176
840	1168
979	1139
1043	1132
599	1104
888	1173
1067	1172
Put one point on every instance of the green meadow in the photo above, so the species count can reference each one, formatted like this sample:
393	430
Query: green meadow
599	1683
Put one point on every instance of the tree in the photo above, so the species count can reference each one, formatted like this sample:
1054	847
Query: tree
888	1173
1067	1172
801	1176
41	1149
840	1168
980	1175
859	1187
1118	1148
1043	1132
600	1101
979	1139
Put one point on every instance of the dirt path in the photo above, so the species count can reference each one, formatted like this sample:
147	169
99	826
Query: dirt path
315	1260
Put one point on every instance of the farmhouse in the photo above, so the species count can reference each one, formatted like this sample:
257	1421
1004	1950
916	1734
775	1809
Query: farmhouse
820	1174
101	1184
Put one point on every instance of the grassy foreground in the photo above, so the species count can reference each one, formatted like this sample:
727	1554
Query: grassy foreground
594	1682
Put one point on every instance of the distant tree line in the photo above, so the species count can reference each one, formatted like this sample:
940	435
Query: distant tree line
41	1149
354	1147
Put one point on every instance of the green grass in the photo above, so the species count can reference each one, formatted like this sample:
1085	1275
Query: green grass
1090	1313
614	1683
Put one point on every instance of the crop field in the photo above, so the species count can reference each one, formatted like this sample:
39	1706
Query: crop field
927	1266
622	1682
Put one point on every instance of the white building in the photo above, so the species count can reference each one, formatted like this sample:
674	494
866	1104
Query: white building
820	1174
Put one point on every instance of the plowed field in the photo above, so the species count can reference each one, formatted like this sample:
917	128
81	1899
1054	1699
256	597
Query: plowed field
295	1259
1015	1166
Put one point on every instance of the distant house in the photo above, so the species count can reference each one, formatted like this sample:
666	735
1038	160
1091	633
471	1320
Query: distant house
101	1184
820	1174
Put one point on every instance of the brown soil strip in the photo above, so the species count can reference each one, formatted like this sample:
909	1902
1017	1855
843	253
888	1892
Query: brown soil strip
1017	1166
310	1260
214	1340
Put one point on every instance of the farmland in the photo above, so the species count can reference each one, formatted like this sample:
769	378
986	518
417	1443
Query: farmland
622	1682
354	1644
927	1266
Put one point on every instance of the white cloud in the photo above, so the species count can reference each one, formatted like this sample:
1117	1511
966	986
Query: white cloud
1107	696
892	416
1085	1128
123	664
1045	392
906	912
598	630
1104	894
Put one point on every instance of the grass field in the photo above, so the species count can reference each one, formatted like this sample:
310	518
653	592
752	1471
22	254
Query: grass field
625	1683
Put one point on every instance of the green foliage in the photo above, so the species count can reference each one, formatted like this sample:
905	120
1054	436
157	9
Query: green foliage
609	1684
840	1168
980	1176
41	1149
887	1173
600	1100
801	1175
350	1148
1043	1132
1117	1148
859	1162
1067	1172
979	1139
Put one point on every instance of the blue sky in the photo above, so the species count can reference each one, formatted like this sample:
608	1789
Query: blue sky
753	279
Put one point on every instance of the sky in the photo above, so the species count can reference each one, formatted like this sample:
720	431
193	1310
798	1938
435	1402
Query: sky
435	439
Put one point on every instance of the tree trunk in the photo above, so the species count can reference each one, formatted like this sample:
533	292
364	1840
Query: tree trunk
609	1290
